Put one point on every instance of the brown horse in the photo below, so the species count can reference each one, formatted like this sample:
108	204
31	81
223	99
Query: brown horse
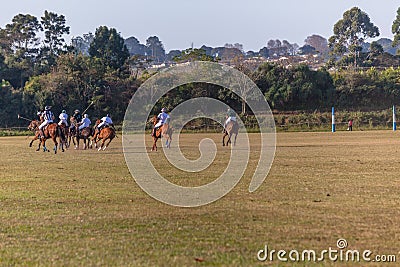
231	128
33	127
50	131
106	133
72	131
85	135
75	134
65	129
163	131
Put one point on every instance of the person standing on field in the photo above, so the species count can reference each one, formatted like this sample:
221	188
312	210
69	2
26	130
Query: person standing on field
350	125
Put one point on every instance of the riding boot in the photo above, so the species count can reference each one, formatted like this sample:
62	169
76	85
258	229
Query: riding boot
153	133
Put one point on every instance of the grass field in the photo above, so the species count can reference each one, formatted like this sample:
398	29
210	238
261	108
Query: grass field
83	208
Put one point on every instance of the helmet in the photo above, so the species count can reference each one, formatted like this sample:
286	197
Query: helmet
63	111
76	111
38	113
163	110
47	108
108	115
86	115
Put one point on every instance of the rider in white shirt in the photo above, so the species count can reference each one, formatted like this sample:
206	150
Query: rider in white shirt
63	118
231	116
85	122
105	121
162	118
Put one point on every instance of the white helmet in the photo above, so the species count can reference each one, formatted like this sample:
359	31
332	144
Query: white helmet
163	110
86	116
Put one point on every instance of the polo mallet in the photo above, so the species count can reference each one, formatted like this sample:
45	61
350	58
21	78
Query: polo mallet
88	107
20	117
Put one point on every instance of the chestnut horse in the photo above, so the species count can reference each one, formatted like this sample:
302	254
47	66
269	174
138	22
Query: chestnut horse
231	128
163	131
51	131
106	133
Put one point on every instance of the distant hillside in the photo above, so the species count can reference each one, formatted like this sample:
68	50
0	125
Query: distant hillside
386	43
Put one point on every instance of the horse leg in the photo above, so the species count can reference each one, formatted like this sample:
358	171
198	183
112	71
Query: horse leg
234	142
109	141
95	140
33	139
61	144
154	145
223	139
229	139
55	145
102	144
44	145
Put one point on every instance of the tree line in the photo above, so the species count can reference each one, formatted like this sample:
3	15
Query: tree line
99	68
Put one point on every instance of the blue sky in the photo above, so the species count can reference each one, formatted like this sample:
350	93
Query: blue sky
211	22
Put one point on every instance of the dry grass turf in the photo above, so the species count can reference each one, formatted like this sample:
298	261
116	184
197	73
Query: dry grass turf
83	208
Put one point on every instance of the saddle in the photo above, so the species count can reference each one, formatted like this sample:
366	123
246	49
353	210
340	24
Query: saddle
104	126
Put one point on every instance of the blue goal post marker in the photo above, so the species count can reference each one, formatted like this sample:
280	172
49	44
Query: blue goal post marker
394	118
333	120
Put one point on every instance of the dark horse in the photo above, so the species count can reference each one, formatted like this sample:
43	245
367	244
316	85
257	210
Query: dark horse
84	134
65	129
106	133
163	131
231	128
72	130
52	131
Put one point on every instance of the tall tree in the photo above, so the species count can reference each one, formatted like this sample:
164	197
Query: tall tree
351	31
21	33
109	46
19	46
54	28
396	29
156	49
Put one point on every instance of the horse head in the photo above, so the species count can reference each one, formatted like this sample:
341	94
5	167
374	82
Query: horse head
154	120
73	121
33	125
